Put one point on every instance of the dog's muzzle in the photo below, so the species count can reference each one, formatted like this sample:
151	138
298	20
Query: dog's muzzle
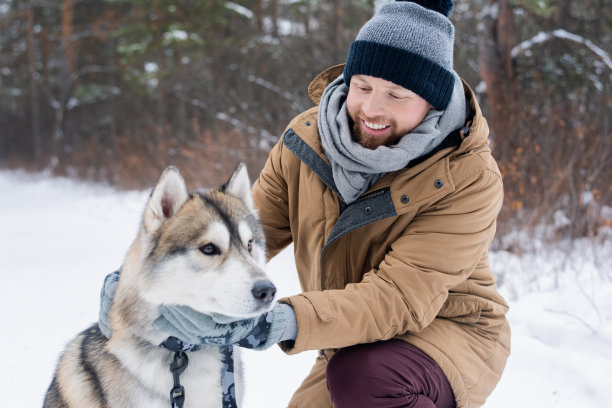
264	291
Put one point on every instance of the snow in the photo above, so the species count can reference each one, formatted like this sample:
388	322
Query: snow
151	67
245	12
59	238
175	35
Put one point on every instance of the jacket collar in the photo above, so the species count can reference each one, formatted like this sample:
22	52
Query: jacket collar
318	85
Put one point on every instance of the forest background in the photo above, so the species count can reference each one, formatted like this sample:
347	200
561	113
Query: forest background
114	90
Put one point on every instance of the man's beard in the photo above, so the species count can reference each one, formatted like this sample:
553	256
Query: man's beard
368	141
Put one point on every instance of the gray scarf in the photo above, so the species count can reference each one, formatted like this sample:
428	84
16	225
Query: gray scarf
356	168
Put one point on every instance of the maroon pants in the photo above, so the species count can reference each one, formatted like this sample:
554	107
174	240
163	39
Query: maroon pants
387	374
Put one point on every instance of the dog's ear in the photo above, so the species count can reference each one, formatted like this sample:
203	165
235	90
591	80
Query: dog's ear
167	197
239	185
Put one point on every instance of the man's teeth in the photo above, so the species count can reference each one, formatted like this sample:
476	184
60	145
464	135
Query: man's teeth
374	125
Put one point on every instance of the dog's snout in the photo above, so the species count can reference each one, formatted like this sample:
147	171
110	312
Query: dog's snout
264	290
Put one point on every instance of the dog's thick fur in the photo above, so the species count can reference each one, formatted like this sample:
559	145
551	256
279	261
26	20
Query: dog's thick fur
201	249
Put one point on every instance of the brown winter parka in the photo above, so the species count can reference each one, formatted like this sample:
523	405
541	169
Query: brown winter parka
407	260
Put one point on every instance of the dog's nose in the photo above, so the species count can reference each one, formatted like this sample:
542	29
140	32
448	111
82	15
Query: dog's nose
264	290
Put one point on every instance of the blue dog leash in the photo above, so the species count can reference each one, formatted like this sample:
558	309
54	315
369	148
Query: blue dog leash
180	362
228	388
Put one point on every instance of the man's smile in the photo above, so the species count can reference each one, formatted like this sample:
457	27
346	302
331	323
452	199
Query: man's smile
374	126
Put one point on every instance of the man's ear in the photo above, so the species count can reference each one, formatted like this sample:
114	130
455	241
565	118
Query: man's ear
239	186
169	194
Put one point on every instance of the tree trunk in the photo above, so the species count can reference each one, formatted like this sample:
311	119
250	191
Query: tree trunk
34	106
274	14
496	38
337	22
68	49
307	18
259	16
66	73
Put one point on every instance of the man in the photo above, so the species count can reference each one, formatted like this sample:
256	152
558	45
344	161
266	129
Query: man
389	193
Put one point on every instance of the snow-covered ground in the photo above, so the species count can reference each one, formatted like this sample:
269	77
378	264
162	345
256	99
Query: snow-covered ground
59	238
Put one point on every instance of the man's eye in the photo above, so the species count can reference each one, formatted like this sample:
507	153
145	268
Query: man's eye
210	249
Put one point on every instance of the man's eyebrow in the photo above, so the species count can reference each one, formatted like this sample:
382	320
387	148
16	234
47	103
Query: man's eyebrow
398	88
361	81
391	88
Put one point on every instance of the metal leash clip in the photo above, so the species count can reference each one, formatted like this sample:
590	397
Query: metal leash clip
177	393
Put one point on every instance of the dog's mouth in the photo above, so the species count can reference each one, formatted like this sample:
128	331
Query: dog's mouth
224	319
263	294
226	309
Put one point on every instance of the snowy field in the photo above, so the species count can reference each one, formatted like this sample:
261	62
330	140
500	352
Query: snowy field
59	238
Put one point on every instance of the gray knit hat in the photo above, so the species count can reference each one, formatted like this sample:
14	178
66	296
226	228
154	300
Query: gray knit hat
409	43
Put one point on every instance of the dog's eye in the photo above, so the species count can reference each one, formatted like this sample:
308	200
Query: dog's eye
210	249
250	245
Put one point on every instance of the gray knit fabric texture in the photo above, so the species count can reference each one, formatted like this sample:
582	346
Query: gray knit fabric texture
408	26
409	45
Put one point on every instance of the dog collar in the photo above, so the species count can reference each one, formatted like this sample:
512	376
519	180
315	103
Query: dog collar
179	364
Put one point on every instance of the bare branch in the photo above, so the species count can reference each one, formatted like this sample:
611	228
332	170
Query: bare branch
573	316
271	87
562	34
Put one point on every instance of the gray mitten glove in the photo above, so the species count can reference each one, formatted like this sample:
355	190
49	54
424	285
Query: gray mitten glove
282	328
106	301
258	333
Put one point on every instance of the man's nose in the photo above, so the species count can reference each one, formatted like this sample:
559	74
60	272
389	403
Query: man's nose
373	105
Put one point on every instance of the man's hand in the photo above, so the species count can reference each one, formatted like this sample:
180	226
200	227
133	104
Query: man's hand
194	327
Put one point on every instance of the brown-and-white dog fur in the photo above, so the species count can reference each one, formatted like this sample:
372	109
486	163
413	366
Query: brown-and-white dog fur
203	249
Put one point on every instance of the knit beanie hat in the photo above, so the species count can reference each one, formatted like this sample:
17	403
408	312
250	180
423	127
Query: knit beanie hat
409	43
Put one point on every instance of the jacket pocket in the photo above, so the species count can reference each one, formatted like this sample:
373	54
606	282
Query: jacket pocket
461	309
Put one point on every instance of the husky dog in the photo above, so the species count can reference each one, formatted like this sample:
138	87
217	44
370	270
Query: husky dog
203	249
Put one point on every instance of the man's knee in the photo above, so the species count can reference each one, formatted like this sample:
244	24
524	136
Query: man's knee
351	375
386	374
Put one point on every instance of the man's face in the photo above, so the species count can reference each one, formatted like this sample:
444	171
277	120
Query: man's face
381	111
